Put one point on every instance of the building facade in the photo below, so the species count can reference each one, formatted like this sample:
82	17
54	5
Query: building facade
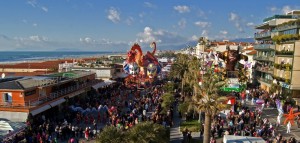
36	94
278	53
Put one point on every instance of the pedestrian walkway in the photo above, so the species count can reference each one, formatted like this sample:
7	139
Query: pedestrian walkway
175	134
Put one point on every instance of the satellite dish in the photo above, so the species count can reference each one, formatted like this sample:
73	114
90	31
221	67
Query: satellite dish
3	75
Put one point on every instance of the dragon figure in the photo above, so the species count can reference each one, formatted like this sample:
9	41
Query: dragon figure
136	55
138	65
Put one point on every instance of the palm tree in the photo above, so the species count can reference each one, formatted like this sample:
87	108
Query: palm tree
111	134
179	67
206	99
147	132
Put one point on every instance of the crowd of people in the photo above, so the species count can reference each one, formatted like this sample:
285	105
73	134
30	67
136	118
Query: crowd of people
84	117
248	120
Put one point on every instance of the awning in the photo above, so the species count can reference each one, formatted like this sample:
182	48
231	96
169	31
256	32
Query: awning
109	82
57	102
40	110
98	85
104	83
122	75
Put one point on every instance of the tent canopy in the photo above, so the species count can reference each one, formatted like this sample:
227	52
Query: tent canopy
242	139
103	83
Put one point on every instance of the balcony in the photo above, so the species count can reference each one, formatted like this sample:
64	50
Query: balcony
286	67
264	46
268	81
52	96
264	58
265	69
264	34
288	25
286	80
283	52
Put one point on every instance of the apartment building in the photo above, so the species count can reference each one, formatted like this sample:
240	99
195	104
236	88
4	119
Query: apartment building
278	52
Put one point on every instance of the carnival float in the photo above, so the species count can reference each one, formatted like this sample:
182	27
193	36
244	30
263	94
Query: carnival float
142	69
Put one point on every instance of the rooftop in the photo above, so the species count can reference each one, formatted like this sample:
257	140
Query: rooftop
26	82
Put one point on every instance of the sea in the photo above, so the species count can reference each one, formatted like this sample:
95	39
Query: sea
27	56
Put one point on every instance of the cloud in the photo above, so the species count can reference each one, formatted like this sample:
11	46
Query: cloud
129	20
34	25
43	43
286	9
273	9
87	40
283	9
159	36
202	24
113	15
250	24
37	38
224	32
35	4
141	15
149	5
235	18
44	8
182	8
182	23
194	38
205	33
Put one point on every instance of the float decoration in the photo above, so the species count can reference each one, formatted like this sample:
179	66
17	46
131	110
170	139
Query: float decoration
141	68
290	117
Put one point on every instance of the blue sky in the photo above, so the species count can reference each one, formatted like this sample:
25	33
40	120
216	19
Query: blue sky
114	25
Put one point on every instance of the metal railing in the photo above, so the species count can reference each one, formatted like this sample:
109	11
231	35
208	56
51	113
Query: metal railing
262	34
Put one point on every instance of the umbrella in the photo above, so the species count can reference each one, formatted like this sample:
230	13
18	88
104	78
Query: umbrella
100	107
88	110
94	110
260	101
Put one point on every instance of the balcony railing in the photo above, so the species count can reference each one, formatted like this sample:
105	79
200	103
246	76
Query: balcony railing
264	58
265	69
264	46
265	80
44	99
262	34
287	26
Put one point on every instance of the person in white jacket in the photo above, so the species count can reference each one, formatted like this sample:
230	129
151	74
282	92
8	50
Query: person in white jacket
288	127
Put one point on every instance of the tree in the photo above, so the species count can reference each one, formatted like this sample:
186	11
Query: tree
206	99
179	67
168	100
147	132
111	134
144	132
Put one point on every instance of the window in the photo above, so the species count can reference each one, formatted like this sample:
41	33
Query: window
7	97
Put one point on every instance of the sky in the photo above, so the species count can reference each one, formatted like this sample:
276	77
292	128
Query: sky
115	25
